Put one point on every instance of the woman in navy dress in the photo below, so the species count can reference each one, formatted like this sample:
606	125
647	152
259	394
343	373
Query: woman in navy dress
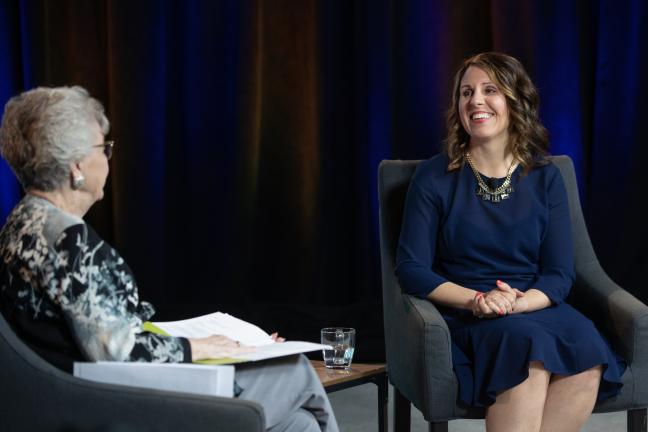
486	236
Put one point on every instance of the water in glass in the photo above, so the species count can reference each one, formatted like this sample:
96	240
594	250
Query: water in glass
341	344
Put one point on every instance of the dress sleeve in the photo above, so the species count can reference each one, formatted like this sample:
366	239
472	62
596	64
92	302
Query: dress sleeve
99	301
417	242
556	275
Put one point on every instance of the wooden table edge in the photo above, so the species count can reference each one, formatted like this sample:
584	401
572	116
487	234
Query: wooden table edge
358	371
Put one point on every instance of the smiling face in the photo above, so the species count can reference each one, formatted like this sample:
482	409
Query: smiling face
482	108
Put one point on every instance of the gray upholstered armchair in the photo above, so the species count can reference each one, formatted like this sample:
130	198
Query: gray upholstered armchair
37	396
417	339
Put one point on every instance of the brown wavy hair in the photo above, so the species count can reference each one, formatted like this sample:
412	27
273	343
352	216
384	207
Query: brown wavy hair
528	138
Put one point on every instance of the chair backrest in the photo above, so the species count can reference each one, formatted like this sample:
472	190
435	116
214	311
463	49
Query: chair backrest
393	181
584	255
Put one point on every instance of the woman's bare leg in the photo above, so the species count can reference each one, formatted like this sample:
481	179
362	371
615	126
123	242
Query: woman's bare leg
570	400
520	409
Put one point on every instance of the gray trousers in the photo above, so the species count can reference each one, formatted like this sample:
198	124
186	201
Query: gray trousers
290	393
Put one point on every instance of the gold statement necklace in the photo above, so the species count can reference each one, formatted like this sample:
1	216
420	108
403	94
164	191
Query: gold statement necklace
498	194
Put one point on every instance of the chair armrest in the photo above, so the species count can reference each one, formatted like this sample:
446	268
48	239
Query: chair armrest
37	396
419	356
619	314
171	411
621	317
436	337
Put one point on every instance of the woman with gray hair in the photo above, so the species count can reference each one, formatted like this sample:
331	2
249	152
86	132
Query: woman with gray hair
71	297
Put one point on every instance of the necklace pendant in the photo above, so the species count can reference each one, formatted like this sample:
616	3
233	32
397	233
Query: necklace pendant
507	192
494	197
483	195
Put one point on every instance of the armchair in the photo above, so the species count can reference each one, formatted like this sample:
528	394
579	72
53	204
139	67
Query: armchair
417	339
37	396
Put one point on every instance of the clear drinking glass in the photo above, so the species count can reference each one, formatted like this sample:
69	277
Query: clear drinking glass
340	342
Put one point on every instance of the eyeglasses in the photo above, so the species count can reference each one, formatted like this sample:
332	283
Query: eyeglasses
107	148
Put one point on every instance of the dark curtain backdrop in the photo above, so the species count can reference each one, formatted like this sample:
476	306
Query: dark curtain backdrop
249	133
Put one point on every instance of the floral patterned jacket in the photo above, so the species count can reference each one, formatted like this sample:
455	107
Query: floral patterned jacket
70	296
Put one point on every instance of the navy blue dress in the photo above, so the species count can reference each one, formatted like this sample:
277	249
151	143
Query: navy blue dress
451	234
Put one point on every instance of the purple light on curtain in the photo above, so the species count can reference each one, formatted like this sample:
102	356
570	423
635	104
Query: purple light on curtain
552	59
425	56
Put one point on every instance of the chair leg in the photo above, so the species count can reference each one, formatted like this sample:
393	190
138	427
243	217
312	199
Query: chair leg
438	426
402	412
637	420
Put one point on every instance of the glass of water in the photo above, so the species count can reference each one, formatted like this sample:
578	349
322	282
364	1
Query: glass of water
340	343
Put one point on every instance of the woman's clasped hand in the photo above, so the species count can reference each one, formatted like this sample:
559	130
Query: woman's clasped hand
501	301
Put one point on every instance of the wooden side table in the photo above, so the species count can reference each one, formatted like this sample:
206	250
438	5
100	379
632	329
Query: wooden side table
359	373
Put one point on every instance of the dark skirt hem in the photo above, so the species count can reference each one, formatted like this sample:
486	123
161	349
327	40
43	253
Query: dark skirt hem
498	352
607	389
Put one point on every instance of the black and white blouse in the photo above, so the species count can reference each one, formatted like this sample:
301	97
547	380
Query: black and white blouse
70	296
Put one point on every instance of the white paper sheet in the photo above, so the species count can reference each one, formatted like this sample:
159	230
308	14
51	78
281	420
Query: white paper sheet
239	330
279	350
217	323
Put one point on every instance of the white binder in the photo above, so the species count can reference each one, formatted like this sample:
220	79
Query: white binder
210	380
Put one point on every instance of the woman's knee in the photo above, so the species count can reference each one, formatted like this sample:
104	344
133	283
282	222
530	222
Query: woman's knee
536	365
587	381
531	391
538	374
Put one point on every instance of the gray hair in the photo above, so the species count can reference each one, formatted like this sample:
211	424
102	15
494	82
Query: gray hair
44	130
